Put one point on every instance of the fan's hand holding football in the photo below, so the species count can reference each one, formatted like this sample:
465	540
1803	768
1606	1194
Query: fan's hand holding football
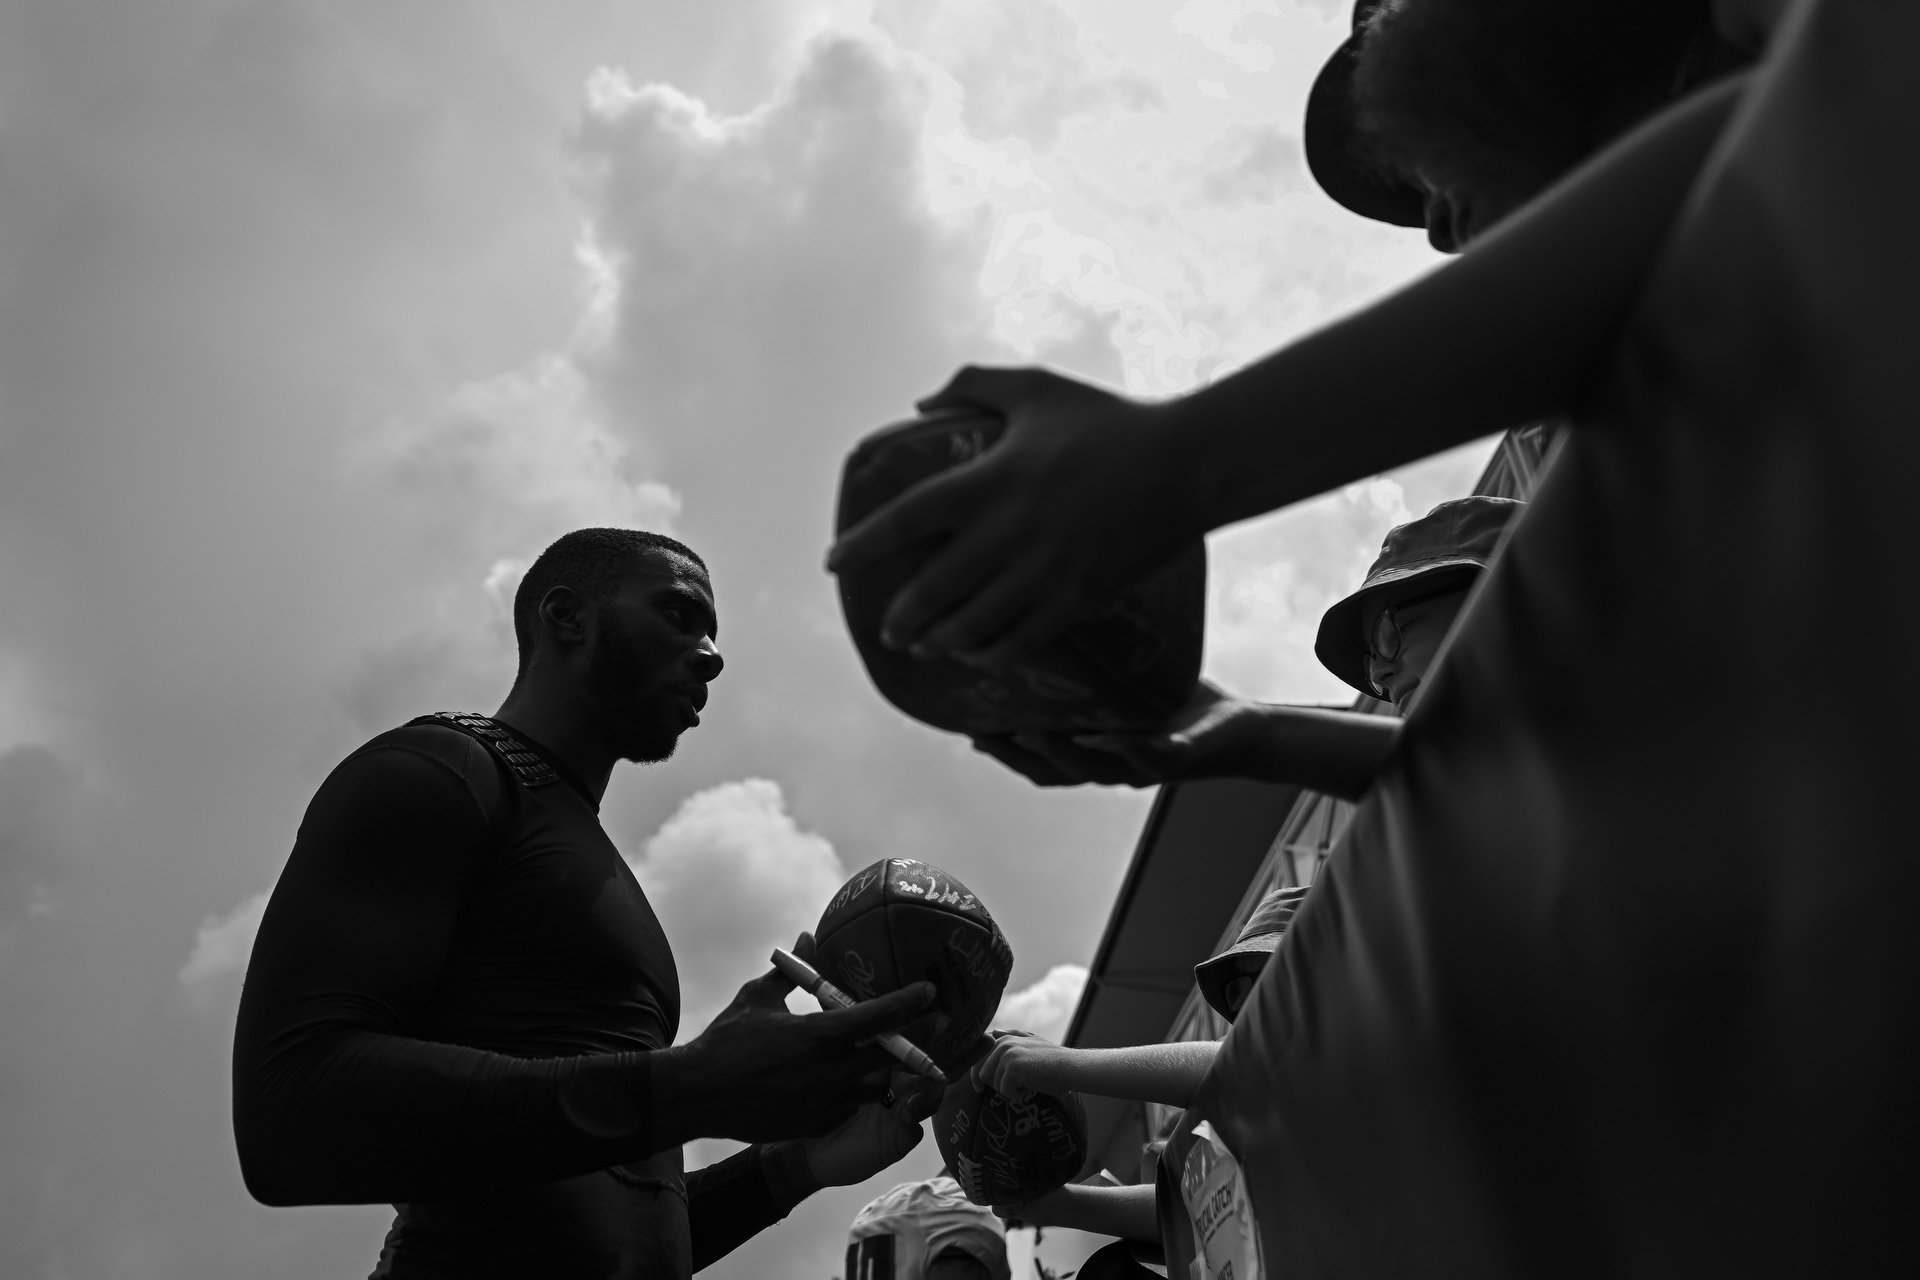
1212	736
876	1136
1055	760
760	1073
1020	1066
1069	507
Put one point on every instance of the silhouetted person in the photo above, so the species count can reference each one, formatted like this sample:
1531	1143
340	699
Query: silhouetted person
460	1000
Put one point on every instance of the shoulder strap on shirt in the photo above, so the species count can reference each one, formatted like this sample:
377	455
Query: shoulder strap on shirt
527	767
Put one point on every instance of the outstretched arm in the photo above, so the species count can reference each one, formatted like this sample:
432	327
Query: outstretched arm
1509	333
1164	1073
1087	490
1126	1212
338	1100
1215	736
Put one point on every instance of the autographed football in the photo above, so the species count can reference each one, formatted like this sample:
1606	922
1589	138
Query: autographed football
900	921
1126	667
1003	1151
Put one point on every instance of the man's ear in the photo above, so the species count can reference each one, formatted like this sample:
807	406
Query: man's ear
562	615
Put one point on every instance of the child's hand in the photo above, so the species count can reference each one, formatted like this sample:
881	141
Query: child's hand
1021	1066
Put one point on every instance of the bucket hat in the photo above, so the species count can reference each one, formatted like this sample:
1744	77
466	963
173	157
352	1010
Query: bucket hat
1331	136
1248	954
1449	545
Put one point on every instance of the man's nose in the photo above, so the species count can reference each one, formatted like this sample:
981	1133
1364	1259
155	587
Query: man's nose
1381	670
1443	224
706	661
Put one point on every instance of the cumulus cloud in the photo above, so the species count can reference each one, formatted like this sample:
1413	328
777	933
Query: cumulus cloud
732	876
1023	67
1218	25
505	466
1047	1006
530	450
42	804
221	946
1252	164
765	260
358	305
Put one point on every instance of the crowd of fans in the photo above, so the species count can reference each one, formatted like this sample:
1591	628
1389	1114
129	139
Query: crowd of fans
1554	1008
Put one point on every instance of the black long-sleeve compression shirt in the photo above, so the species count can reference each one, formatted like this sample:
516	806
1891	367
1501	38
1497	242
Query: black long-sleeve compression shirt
450	1007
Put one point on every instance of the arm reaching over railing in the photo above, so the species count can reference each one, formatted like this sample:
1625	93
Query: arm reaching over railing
1087	491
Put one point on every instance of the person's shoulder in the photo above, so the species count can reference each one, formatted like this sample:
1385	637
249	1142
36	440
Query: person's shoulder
431	739
429	747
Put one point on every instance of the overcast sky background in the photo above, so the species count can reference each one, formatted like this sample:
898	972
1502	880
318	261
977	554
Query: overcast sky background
319	318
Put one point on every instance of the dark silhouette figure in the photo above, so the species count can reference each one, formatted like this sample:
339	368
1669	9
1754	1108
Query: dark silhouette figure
461	1002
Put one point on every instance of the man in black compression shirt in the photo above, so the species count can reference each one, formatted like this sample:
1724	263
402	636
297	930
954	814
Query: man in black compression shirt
460	1001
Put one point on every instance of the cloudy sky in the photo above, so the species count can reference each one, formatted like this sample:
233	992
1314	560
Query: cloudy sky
318	318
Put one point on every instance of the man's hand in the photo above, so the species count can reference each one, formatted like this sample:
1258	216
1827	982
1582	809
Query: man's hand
1022	1065
759	1073
876	1136
1072	504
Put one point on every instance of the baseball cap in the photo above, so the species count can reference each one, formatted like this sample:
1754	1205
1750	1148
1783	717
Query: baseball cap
1331	137
895	1236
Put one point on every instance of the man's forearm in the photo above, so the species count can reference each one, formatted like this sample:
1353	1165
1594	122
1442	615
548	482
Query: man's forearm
365	1118
730	1202
1508	334
1323	749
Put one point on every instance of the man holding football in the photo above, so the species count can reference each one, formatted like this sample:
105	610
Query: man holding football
460	1001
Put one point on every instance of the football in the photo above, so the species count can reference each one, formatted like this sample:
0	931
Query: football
1003	1151
1124	668
900	921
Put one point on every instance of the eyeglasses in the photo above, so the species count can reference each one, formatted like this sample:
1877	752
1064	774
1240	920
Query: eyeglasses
1383	641
1385	636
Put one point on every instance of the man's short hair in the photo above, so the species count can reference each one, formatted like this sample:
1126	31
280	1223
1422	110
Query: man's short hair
590	561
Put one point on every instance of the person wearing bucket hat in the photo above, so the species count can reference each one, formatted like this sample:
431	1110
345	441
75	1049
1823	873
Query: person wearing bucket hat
1225	979
1381	639
1169	1074
1450	114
